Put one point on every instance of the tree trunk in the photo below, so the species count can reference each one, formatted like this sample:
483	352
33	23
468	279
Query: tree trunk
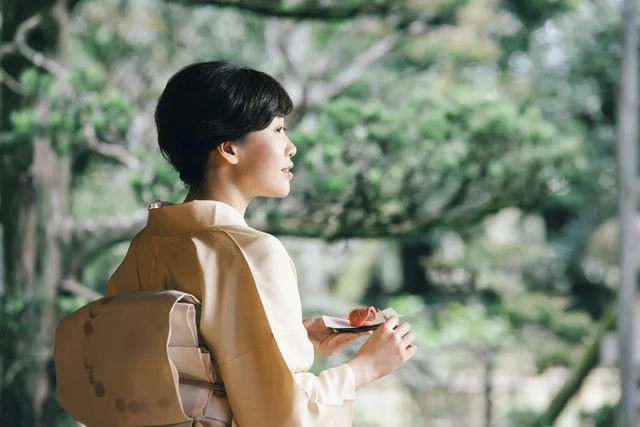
53	176
352	284
627	158
583	368
17	191
489	366
35	198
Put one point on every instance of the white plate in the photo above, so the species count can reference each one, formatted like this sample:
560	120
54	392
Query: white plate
342	325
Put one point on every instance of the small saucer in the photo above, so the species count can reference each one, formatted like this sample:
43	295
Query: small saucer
360	329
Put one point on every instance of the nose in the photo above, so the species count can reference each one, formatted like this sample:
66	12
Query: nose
291	149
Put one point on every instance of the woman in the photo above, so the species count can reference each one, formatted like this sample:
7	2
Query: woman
222	129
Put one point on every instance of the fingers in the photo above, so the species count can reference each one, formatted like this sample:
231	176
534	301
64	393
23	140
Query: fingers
337	342
411	351
402	329
347	337
391	323
408	339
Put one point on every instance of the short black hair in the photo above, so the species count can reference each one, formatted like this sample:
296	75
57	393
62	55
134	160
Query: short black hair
208	103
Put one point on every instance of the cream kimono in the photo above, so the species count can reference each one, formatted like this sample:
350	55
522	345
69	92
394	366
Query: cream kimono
251	318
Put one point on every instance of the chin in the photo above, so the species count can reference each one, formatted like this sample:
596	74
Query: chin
283	194
278	193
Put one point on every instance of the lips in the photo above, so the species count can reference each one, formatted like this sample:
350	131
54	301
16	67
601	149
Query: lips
287	171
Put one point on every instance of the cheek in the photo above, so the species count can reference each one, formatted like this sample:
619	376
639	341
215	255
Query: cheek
264	160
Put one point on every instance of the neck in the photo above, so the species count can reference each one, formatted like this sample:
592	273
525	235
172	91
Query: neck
230	196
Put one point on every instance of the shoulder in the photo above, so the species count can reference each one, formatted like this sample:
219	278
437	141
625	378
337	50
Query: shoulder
135	240
241	250
252	244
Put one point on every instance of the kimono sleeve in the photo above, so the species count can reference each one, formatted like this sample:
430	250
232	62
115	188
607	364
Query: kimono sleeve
271	386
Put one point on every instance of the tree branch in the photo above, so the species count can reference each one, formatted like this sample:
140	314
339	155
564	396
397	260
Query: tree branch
71	4
113	151
360	64
33	55
77	288
20	45
91	238
13	84
587	363
305	10
321	92
109	229
277	36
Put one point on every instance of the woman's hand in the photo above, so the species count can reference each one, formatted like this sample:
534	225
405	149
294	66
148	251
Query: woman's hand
390	347
325	341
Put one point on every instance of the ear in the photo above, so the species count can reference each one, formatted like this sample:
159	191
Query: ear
229	152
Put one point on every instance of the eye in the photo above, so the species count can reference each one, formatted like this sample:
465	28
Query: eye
281	129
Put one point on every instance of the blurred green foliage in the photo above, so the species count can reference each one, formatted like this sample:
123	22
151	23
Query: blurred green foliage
377	168
65	113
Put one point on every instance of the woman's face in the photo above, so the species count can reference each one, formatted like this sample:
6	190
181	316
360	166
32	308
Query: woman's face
264	162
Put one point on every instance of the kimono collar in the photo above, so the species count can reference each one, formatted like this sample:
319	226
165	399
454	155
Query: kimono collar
166	218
